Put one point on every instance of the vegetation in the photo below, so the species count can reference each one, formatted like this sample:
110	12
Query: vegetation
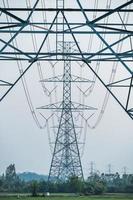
120	197
95	184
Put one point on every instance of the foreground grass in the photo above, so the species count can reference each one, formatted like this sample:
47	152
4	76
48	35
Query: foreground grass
102	197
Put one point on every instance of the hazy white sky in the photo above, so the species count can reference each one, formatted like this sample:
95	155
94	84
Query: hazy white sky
23	143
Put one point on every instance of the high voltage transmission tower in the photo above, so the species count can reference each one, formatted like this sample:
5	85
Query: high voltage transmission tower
67	27
66	161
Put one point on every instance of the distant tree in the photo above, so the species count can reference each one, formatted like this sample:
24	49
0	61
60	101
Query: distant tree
88	188
12	182
75	184
10	173
99	187
2	183
42	186
52	187
10	177
129	183
34	188
96	184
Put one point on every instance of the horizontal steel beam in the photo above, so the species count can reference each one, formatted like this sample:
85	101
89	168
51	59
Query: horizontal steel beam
66	32
65	54
65	9
71	23
60	59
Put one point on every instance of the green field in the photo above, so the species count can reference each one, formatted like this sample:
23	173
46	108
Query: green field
104	197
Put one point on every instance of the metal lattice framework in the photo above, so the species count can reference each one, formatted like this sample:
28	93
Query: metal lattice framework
20	26
66	27
66	157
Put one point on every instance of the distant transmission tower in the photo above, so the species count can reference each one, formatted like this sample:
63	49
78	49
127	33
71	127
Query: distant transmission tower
66	161
109	168
66	157
91	168
125	170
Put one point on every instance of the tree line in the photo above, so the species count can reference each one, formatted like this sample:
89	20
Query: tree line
95	184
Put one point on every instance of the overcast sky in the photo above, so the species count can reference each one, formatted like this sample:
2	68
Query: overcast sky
23	143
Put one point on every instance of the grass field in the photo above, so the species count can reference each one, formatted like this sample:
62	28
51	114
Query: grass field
103	197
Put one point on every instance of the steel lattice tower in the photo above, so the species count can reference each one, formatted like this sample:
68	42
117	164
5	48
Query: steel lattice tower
66	161
66	157
84	26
